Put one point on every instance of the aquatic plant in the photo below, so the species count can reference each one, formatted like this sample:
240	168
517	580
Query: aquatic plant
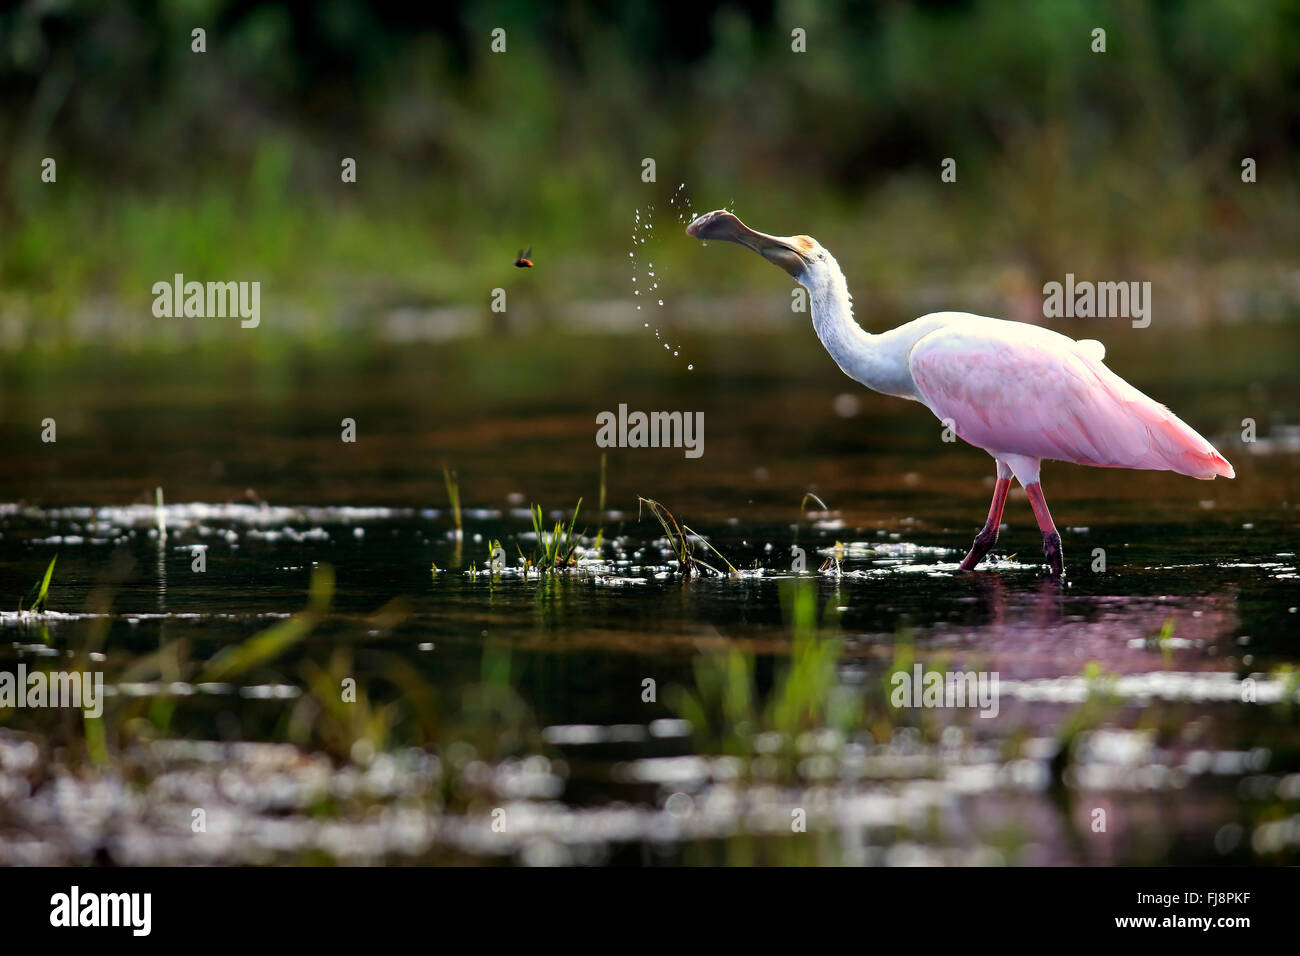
809	496
1164	641
807	695
494	545
600	509
269	644
339	715
1090	714
682	540
555	551
453	497
729	714
1288	676
40	591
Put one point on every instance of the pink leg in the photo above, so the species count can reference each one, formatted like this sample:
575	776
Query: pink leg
988	535
1051	539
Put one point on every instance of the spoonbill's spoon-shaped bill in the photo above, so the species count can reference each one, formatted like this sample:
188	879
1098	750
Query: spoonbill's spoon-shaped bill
1020	392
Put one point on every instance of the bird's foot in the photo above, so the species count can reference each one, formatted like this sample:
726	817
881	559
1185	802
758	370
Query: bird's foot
1052	549
980	547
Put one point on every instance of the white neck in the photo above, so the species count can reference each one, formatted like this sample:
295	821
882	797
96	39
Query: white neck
874	360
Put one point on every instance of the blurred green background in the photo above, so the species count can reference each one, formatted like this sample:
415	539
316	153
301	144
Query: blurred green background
225	165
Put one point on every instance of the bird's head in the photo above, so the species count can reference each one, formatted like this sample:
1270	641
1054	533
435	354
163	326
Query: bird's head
797	255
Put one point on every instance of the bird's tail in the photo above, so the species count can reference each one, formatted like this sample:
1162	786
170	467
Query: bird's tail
1180	446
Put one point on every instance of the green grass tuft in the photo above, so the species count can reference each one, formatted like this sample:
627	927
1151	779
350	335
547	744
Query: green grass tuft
40	591
558	550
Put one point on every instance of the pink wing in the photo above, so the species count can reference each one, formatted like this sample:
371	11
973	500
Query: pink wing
1022	390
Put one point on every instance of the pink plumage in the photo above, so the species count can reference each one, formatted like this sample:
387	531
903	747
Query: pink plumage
1020	390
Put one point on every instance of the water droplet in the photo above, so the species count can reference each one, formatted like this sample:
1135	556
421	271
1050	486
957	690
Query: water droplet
661	301
690	368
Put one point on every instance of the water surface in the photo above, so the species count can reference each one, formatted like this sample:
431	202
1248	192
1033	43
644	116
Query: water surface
489	697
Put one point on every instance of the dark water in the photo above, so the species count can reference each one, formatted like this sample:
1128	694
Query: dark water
521	700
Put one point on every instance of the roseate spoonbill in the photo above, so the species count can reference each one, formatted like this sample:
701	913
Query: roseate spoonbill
1020	392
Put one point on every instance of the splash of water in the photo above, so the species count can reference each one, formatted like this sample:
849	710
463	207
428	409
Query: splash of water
642	228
